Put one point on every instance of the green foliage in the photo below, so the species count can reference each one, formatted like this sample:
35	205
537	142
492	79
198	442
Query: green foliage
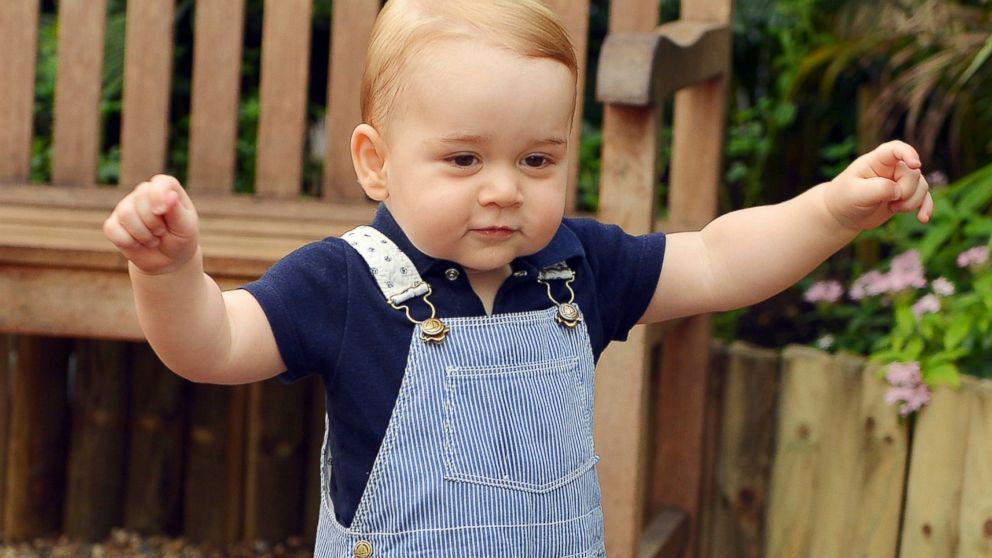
936	312
771	38
589	168
928	69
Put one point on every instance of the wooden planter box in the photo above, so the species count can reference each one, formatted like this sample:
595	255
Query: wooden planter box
811	462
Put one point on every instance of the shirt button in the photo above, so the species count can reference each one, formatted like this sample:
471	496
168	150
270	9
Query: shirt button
363	549
452	274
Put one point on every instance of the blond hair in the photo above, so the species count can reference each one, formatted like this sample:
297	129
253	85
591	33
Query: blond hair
405	27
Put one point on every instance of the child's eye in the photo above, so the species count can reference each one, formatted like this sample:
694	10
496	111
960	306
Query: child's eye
537	161
464	160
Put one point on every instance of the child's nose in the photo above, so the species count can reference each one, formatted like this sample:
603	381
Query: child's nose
501	189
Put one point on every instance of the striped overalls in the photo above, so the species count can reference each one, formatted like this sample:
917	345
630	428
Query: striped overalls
489	448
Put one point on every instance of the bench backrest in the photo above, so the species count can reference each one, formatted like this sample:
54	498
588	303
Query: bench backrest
283	122
639	476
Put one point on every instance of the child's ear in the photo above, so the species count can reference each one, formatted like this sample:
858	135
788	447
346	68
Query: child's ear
368	156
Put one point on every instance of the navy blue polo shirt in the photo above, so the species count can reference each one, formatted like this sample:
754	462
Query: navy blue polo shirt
329	318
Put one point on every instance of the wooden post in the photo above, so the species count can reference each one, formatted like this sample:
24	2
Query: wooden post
975	527
879	477
283	96
214	104
736	512
155	464
5	381
351	28
274	491
933	492
622	387
95	491
575	15
147	82
18	42
314	440
215	464
36	447
837	479
76	134
697	148
805	391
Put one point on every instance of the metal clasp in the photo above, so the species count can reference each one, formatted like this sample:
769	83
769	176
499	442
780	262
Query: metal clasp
432	330
568	313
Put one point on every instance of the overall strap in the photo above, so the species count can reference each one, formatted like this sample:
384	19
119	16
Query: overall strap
393	271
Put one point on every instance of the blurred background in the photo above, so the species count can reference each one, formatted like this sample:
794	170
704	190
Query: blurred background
815	82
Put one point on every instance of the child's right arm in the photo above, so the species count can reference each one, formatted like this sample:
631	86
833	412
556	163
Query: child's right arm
199	332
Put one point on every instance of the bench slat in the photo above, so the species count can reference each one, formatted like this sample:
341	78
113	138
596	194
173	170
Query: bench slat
575	14
351	28
18	42
77	93
214	105
282	121
147	79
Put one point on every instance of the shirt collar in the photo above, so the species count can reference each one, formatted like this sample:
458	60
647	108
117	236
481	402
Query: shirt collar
564	246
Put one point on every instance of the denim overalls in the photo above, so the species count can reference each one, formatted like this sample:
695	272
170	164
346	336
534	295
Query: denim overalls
489	451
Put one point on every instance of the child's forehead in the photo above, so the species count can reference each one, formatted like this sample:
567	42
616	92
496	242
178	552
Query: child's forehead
453	73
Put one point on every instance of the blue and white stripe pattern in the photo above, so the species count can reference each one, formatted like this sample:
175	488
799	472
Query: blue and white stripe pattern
488	452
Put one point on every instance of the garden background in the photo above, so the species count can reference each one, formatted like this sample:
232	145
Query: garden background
814	83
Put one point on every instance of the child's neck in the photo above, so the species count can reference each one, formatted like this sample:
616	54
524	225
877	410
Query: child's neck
486	284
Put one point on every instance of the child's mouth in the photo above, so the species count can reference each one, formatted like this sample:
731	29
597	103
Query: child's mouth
495	232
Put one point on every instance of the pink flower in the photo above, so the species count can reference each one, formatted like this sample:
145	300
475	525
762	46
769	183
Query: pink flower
907	272
912	399
907	262
973	256
937	179
870	284
926	305
824	291
942	287
907	387
904	374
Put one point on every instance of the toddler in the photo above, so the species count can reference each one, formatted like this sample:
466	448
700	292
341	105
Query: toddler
456	335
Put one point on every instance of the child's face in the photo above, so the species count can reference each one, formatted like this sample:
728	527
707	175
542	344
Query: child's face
476	160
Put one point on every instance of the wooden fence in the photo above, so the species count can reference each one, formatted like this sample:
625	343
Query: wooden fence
805	459
810	462
149	451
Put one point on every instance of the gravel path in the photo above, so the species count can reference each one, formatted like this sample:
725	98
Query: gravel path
123	543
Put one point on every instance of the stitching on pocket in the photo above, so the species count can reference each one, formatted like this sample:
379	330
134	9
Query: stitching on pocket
502	409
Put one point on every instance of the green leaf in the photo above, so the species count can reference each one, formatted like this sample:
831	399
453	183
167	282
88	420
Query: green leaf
914	348
976	189
905	320
957	332
978	226
936	236
977	62
942	374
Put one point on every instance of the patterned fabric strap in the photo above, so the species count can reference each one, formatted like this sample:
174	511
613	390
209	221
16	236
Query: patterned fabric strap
559	270
393	271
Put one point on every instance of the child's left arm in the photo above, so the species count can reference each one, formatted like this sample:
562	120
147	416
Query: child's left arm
746	256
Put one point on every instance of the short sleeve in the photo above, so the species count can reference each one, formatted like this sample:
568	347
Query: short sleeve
626	269
304	297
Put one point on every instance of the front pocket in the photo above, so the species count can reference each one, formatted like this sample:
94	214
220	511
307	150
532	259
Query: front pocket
526	427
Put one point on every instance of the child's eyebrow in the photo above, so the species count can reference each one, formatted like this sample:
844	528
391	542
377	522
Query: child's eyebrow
481	139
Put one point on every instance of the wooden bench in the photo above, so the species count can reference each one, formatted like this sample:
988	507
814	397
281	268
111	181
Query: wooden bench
61	280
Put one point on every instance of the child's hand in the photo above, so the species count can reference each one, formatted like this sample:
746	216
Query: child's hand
877	185
155	226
